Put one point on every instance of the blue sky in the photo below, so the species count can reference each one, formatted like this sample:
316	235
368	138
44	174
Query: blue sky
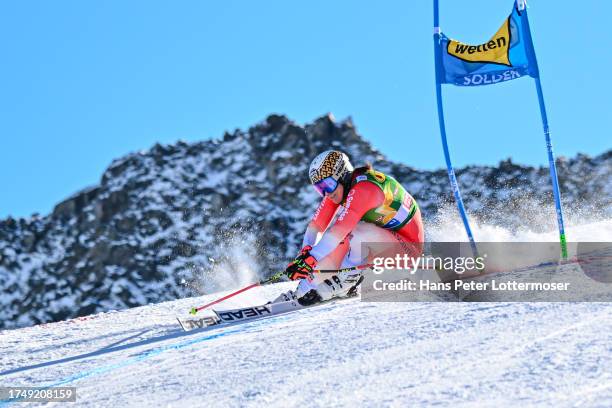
84	82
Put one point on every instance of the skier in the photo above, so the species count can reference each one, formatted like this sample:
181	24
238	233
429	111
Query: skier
371	207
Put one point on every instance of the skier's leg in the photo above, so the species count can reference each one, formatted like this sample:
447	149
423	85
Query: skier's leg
306	291
368	241
365	244
325	287
346	283
360	247
334	259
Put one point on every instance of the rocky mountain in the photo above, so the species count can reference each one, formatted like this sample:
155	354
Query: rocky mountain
164	223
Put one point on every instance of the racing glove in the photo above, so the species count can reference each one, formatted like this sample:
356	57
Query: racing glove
302	266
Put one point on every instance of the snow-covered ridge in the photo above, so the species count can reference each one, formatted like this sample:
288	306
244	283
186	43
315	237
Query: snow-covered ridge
180	219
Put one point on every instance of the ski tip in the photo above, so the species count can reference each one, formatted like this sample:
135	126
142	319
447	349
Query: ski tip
181	324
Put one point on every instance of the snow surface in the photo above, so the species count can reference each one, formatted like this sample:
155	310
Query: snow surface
338	354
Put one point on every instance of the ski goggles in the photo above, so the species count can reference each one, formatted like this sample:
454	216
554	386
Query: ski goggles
327	185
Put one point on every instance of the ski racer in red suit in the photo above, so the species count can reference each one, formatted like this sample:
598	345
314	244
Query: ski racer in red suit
359	207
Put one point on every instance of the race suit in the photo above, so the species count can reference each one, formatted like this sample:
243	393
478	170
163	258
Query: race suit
377	209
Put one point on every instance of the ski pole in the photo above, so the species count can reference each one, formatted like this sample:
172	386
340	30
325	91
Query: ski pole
272	279
352	268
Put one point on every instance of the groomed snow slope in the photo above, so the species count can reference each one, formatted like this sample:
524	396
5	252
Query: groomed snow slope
344	353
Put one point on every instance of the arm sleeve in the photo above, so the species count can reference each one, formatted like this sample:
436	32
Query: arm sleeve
311	235
361	198
320	221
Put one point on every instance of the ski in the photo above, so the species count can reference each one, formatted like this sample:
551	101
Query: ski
245	314
223	317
